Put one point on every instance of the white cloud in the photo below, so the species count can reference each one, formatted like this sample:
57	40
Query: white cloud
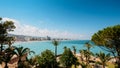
23	29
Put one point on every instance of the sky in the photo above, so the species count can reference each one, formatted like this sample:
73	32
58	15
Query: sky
75	19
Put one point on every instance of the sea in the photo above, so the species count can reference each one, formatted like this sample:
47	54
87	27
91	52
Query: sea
40	46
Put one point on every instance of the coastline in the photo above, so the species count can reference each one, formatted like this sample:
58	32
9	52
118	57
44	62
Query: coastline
30	41
41	41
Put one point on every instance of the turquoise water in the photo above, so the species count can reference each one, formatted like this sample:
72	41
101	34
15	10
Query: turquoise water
40	46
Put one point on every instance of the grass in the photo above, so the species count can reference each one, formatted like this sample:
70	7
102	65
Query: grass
111	65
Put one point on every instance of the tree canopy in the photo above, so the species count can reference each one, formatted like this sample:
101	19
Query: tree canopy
67	58
46	59
5	27
109	39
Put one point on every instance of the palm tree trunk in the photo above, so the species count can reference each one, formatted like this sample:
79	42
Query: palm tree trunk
118	58
55	56
75	66
68	66
55	52
6	65
118	63
103	65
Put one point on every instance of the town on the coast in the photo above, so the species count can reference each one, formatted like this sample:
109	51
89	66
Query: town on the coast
24	38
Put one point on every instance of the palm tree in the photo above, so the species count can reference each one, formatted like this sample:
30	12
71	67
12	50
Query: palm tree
6	56
88	46
88	53
55	43
22	53
103	57
82	55
74	49
85	53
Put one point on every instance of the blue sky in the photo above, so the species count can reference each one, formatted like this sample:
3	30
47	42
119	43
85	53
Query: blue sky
61	18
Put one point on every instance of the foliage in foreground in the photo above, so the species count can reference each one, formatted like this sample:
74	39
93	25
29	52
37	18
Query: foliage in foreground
46	60
6	53
22	53
67	59
5	27
104	58
109	38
